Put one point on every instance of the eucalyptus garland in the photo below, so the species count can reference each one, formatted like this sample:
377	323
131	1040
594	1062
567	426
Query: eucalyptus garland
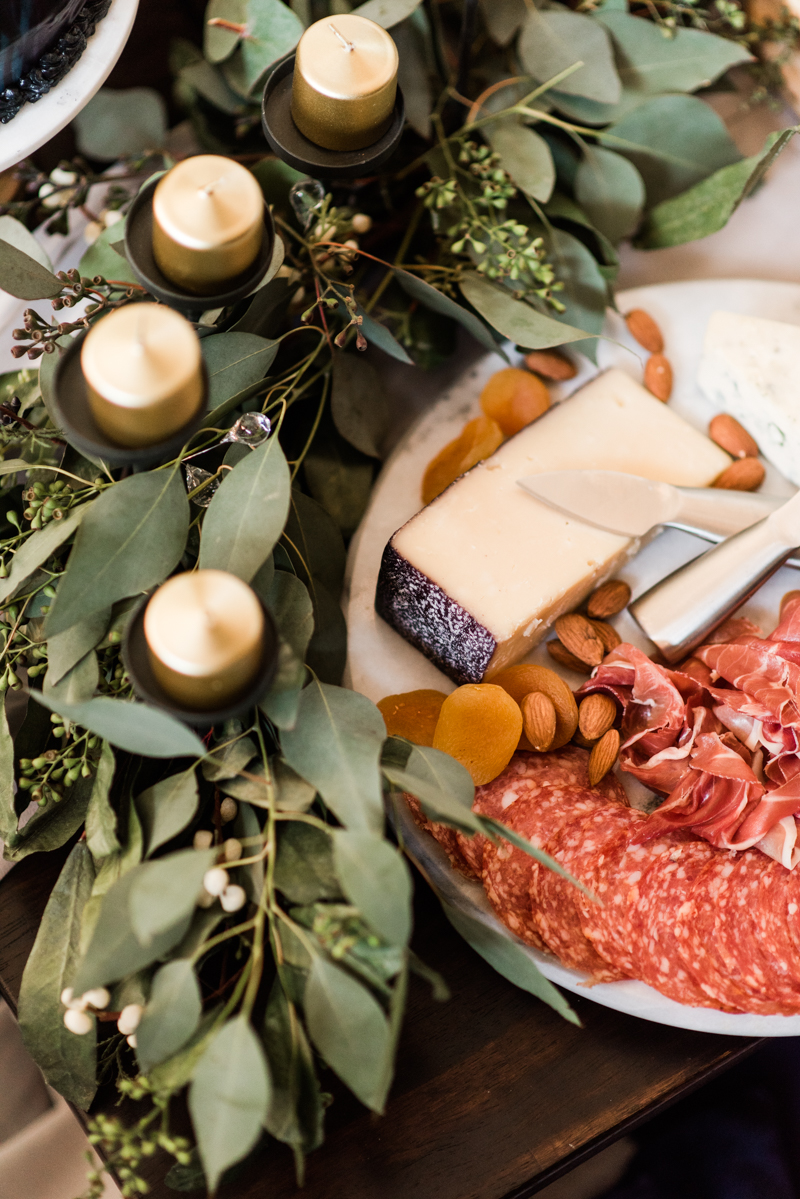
233	916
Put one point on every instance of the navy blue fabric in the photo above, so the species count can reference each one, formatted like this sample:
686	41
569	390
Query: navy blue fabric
736	1138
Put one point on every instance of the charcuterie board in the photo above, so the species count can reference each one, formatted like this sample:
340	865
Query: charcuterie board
380	662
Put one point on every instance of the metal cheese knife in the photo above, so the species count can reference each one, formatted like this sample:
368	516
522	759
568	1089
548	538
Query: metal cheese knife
632	506
680	611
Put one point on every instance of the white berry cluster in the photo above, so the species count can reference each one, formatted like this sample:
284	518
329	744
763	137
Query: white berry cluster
80	1008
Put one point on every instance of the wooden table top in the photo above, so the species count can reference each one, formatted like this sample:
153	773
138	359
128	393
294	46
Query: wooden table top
495	1095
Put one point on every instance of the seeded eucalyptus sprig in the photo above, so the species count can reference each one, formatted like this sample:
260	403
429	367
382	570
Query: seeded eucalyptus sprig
102	295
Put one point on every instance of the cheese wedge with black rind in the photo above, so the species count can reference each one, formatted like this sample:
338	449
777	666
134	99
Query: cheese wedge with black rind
477	577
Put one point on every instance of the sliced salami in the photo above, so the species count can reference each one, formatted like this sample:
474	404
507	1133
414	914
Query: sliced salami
590	827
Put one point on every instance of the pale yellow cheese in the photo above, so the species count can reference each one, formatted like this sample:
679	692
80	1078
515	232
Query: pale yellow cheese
515	564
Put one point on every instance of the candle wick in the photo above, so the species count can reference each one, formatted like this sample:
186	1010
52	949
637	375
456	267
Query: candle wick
208	190
347	45
139	345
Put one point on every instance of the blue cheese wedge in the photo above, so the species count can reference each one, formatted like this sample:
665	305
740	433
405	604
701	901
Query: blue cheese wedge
751	370
475	579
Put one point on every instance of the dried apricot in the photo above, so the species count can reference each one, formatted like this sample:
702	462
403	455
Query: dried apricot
514	398
477	440
412	714
479	725
520	680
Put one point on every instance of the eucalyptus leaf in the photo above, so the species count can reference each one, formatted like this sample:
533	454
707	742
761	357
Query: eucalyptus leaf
37	548
336	746
387	13
281	704
441	784
131	538
509	958
708	206
121	121
65	650
592	112
304	865
611	192
167	808
412	73
314	544
349	1029
290	604
8	786
525	156
295	1111
515	319
101	819
229	1097
272	31
247	514
176	1071
103	259
252	876
585	294
171	1015
376	880
431	298
22	270
203	77
218	42
503	18
555	39
78	684
226	761
358	403
67	1061
674	142
132	726
294	793
340	478
266	308
114	951
235	361
164	891
17	234
686	60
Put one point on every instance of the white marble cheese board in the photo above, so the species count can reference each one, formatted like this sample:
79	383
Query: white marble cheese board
381	663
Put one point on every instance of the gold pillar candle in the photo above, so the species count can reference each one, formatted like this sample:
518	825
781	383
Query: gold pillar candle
205	632
208	222
345	82
143	373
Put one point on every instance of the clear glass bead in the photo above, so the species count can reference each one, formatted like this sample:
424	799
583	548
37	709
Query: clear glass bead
195	477
252	429
306	197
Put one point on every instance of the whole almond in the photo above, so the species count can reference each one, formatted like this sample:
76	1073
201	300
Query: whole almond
733	437
539	720
596	715
577	634
644	329
745	474
658	377
607	634
561	654
609	599
551	365
603	756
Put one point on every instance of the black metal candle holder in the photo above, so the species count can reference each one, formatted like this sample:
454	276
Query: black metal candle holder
139	252
136	658
304	155
73	415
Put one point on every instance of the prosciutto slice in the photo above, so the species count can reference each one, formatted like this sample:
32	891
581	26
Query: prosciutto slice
719	736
